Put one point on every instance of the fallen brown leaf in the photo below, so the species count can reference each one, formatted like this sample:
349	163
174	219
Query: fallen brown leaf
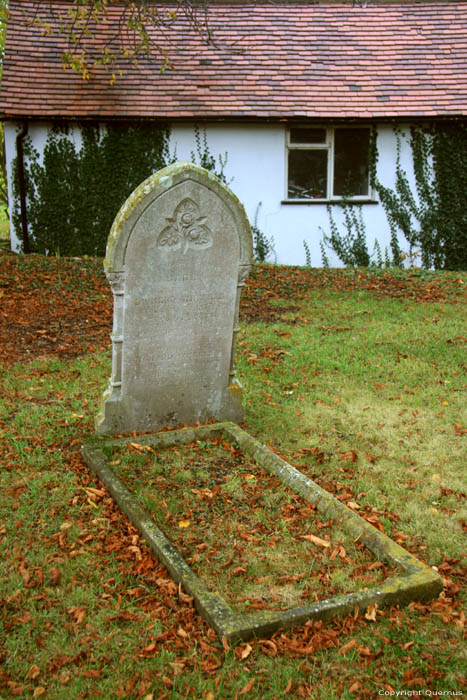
33	672
54	576
348	646
148	651
243	652
371	612
246	689
353	456
316	540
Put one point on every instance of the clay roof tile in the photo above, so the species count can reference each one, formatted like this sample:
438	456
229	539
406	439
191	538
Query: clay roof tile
296	59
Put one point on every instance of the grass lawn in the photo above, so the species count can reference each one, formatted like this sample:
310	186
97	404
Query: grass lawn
357	378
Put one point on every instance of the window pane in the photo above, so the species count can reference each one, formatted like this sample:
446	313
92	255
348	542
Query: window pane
307	135
308	174
351	162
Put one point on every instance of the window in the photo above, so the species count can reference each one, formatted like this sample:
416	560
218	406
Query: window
328	163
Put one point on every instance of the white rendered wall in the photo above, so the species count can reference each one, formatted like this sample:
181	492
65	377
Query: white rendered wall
257	167
256	171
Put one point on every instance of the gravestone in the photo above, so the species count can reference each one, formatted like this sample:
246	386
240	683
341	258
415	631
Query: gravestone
177	256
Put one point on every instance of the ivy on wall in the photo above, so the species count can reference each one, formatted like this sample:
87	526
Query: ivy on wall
450	164
433	218
75	193
351	248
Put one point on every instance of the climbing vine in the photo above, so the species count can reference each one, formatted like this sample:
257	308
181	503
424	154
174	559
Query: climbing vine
433	218
205	159
263	247
351	247
74	193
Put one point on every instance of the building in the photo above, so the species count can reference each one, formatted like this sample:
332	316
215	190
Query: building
289	90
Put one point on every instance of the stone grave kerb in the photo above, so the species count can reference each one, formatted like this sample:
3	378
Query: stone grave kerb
120	410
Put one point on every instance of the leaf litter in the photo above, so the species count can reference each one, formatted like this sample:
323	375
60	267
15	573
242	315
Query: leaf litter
251	539
63	308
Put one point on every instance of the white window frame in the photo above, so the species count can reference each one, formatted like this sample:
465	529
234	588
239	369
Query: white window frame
326	145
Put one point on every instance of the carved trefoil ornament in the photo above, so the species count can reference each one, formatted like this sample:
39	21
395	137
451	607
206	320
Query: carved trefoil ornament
186	228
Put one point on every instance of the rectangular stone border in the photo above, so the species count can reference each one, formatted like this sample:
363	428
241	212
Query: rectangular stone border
417	582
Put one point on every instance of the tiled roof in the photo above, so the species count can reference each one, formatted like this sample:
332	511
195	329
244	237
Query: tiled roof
325	60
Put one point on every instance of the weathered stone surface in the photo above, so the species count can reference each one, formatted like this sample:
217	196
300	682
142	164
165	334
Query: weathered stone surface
177	256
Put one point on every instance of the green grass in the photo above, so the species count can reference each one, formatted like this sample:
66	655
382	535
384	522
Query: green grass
364	396
243	532
390	385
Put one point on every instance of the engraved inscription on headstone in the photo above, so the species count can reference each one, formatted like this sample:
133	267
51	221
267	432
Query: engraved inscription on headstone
177	257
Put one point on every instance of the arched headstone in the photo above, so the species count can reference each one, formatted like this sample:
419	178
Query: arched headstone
177	256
